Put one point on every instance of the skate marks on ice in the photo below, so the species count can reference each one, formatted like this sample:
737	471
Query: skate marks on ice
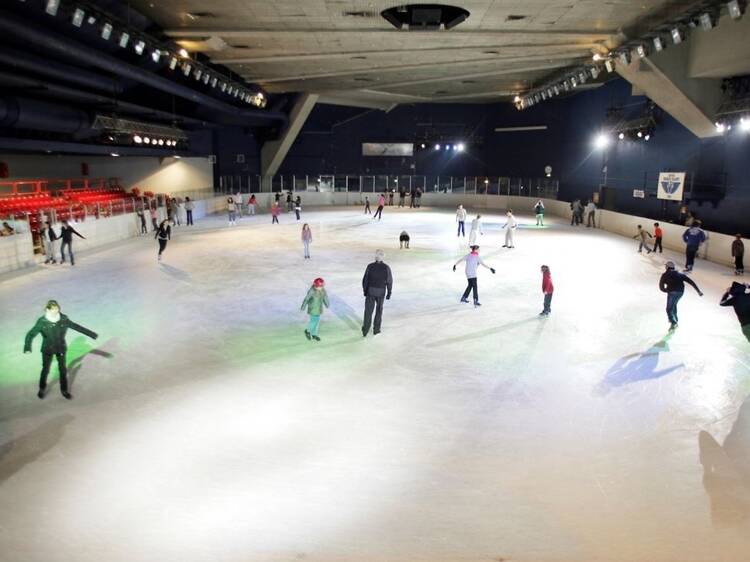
636	367
726	472
26	449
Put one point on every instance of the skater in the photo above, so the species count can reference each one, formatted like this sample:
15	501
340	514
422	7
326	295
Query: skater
401	196
315	300
142	218
403	240
306	239
154	217
367	206
738	253
175	208
163	234
476	227
275	212
412	199
590	214
289	202
297	206
576	213
511	223
658	235
53	326
461	220
48	238
232	210
377	284
693	238
66	234
419	197
251	205
189	206
381	204
673	282
539	211
238	201
391	193
738	296
473	261
547	289
642	234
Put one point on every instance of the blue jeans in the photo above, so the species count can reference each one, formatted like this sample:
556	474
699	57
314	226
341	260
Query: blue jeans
70	252
547	302
673	298
313	324
461	228
307	248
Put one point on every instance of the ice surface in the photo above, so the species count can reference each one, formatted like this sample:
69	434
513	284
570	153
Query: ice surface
205	427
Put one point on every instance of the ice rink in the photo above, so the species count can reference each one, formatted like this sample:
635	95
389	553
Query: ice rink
205	427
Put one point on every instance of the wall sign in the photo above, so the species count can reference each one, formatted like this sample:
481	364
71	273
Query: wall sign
639	194
671	185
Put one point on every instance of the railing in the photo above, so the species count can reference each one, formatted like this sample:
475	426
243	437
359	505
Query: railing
489	185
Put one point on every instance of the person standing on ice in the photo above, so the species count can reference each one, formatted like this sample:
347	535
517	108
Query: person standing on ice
643	236
693	238
381	204
275	212
231	210
673	282
461	220
590	214
476	227
367	206
306	239
377	284
163	234
473	261
48	238
66	234
738	296
315	300
238	201
297	206
547	289
539	211
53	326
251	205
738	253
511	224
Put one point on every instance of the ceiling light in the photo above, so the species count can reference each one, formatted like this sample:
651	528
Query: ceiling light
573	82
260	95
677	35
735	10
658	44
423	145
557	90
124	38
146	140
461	147
137	139
172	63
609	65
621	136
640	134
223	86
78	16
582	77
139	46
206	78
566	85
544	95
186	69
744	125
160	142
720	127
641	50
648	136
455	147
597	57
707	21
516	99
214	81
594	72
91	20
52	6
106	31
437	147
601	141
156	55
183	53
198	73
114	154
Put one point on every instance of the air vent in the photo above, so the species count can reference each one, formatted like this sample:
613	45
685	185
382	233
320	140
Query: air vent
358	14
425	17
515	18
468	81
200	15
359	58
240	46
490	52
362	79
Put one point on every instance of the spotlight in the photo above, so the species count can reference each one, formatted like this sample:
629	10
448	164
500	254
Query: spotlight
214	81
516	99
658	44
597	57
139	46
198	73
707	21
744	125
640	134
720	127
621	136
437	147
735	10
260	95
160	142
106	31
137	139
91	20
172	63
609	65
223	87
601	141
206	78
114	154
183	53
544	95
594	72
677	35
423	145
124	38
186	69
156	55
549	92
461	147
557	90
641	50
78	16
648	136
236	92
52	7
146	140
625	58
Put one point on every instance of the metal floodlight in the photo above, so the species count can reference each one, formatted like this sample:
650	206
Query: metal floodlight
642	51
544	95
223	87
735	10
625	58
214	81
236	92
677	35
658	44
173	63
106	31
186	68
549	92
557	90
566	85
595	72
198	74
573	82
91	20
160	142
610	65
52	7
206	78
78	16
582	77
156	55
139	46
707	21
124	38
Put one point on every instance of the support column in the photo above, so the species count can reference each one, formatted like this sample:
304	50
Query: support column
273	152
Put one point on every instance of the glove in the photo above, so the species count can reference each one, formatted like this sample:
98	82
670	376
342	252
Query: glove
454	268
492	269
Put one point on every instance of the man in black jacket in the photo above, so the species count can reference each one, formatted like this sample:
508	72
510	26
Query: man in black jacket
66	233
53	326
376	284
673	282
738	296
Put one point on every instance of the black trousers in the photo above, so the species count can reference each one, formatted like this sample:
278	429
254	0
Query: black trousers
471	286
370	303
690	253
144	230
46	363
378	213
189	214
275	219
657	244
153	223
738	265
162	245
70	252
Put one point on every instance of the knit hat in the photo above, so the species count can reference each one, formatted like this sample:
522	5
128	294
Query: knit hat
474	247
319	282
669	265
52	303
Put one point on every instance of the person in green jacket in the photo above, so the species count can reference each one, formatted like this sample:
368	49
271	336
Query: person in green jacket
315	299
53	326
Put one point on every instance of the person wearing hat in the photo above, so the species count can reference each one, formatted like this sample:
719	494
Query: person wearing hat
315	300
473	261
738	253
673	282
377	284
738	296
53	326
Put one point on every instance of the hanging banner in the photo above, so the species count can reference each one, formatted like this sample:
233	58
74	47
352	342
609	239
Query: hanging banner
671	185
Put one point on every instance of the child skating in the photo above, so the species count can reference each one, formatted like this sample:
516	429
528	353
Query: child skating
547	289
315	300
306	239
403	240
53	326
473	261
643	236
275	212
297	206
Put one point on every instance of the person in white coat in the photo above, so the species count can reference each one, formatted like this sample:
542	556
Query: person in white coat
238	202
473	261
461	219
510	226
476	228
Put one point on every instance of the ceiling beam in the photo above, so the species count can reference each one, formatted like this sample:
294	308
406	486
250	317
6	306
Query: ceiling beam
282	33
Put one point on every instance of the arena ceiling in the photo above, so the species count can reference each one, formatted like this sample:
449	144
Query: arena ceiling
344	50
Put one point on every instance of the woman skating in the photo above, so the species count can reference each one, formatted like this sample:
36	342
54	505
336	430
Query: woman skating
473	261
232	210
53	326
306	239
163	234
315	300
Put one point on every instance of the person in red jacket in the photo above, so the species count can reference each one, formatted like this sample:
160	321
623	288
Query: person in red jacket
658	235
547	288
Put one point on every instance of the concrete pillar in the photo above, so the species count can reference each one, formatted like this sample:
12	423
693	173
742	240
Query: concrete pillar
273	152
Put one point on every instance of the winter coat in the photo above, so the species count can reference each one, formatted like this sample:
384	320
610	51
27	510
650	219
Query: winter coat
473	261
643	234
461	215
231	207
673	281
53	334
539	208
307	235
189	205
381	201
694	236
738	249
163	233
314	301
276	211
377	281
547	286
476	224
738	296
67	232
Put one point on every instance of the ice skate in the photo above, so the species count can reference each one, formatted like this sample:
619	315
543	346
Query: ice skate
40	394
316	338
307	335
465	300
67	395
477	303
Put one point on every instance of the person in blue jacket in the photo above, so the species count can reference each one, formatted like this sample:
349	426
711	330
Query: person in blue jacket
693	238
